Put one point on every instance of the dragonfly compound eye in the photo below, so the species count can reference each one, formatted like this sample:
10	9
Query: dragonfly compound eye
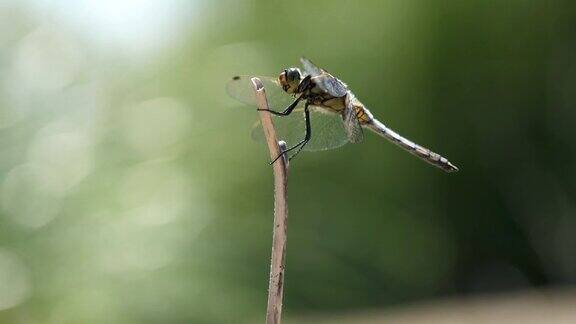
293	75
289	79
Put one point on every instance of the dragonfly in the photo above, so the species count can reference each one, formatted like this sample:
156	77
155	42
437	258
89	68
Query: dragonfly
320	113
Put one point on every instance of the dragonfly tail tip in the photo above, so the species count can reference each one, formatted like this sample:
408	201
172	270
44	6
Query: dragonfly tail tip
451	168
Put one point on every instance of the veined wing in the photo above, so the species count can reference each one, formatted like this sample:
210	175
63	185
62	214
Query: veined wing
351	123
328	130
240	88
323	79
331	85
310	67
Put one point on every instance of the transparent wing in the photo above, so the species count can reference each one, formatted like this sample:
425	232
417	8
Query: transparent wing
310	67
323	79
331	85
351	123
240	88
328	130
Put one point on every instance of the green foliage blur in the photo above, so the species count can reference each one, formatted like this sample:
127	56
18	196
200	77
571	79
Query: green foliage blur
131	192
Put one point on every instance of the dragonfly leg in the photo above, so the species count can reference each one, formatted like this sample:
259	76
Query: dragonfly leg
300	145
286	111
308	135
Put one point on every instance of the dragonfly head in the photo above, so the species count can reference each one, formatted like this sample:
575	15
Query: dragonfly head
290	79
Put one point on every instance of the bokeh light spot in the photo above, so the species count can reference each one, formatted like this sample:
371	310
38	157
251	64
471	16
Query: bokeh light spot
155	124
46	60
26	199
15	283
154	193
66	157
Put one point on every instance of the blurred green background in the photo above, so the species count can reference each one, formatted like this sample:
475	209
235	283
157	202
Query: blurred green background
131	192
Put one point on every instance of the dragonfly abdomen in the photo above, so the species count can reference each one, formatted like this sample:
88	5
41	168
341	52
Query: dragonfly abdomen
362	114
413	148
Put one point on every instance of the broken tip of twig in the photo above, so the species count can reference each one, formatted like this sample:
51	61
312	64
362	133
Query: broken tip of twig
258	86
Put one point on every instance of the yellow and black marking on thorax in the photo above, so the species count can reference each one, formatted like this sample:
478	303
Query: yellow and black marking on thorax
318	97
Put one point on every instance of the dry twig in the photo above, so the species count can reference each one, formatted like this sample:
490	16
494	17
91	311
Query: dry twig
276	284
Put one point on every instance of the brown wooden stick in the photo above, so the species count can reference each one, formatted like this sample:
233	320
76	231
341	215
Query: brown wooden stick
276	284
